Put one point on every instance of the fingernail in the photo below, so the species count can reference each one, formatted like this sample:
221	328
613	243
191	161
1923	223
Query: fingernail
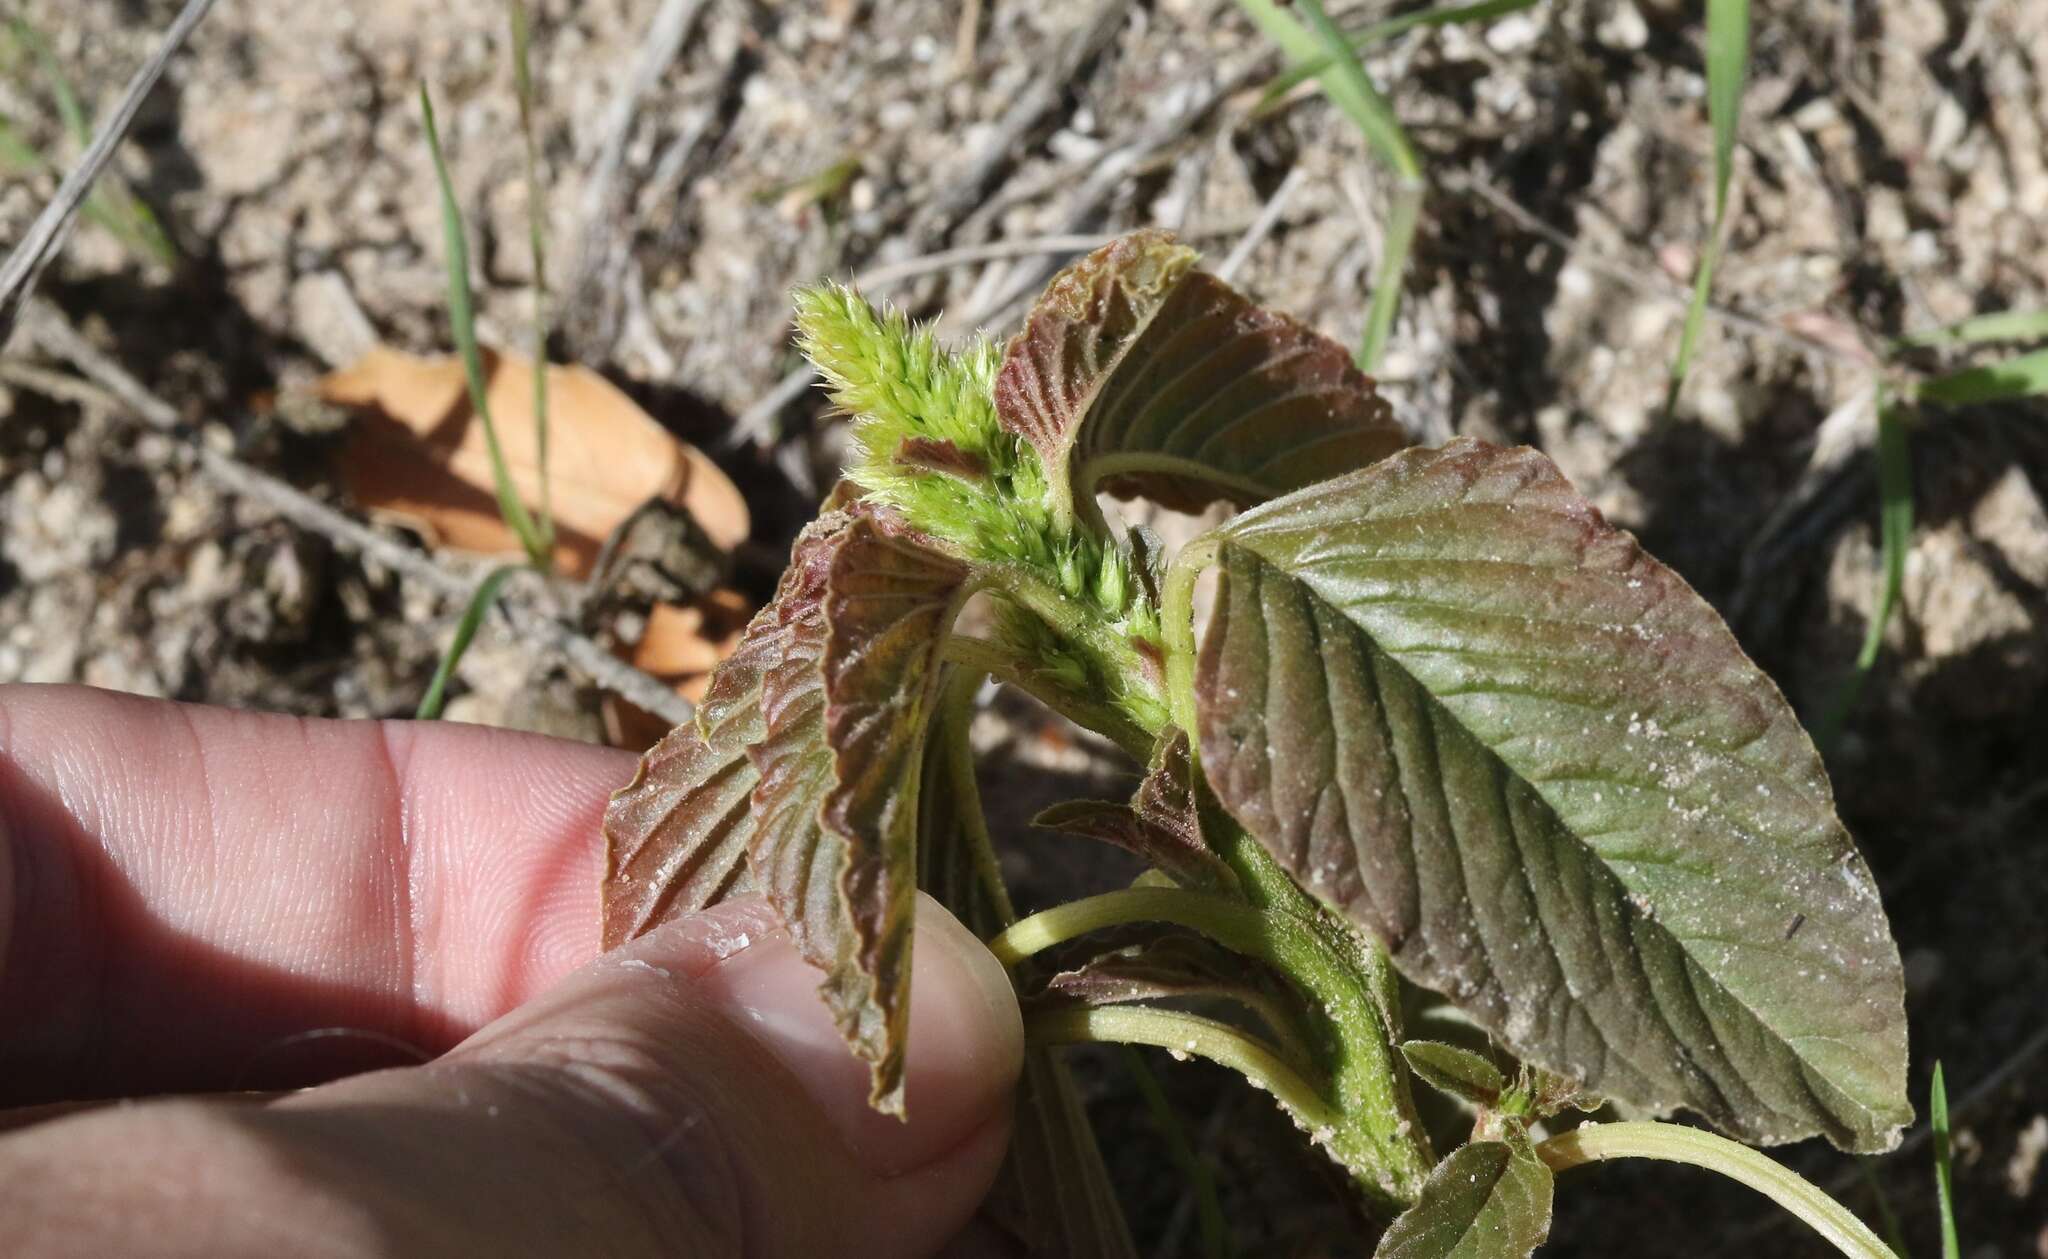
965	1050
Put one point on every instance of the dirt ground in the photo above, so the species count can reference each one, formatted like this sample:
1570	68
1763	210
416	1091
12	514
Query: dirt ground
1892	175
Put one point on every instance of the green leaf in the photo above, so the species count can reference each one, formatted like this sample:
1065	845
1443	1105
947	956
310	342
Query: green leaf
1467	713
2023	377
1374	118
2003	325
1160	824
462	325
800	775
1458	1072
1944	1182
835	810
1379	32
1488	1200
1727	68
465	630
1140	373
537	243
1895	534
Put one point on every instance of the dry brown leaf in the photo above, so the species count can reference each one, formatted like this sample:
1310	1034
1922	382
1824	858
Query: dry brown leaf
417	454
680	646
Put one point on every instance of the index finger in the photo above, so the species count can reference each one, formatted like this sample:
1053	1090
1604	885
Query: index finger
212	899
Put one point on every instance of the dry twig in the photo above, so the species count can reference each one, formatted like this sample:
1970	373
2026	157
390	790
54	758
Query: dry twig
1649	285
46	235
48	327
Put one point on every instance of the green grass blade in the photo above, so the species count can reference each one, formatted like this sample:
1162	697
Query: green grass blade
2004	325
465	630
1727	68
536	235
1379	32
1944	1188
462	321
110	205
1895	534
1199	1177
1894	1236
17	156
1404	206
2022	377
68	109
1350	89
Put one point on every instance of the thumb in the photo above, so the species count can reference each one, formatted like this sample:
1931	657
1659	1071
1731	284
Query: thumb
688	1094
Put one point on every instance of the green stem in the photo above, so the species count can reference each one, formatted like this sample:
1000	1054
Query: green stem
1232	924
1671	1143
1008	665
1374	1124
1188	1034
1177	626
955	720
1349	979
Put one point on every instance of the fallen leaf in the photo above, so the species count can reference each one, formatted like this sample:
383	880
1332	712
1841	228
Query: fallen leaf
680	646
417	454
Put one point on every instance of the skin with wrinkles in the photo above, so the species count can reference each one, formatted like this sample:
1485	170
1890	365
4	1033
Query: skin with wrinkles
193	889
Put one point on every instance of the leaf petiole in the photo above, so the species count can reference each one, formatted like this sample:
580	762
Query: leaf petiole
1181	1033
1232	924
1671	1143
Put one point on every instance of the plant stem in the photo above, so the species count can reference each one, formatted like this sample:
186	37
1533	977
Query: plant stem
955	718
1188	1034
1232	924
1006	664
1350	980
1593	1143
1373	1123
1075	619
1177	625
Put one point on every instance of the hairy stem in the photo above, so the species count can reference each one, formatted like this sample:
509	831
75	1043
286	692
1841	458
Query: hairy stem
1008	665
1188	1034
1350	980
1373	1122
1593	1143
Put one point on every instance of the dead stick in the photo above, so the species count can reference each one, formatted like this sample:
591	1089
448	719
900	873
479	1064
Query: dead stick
55	334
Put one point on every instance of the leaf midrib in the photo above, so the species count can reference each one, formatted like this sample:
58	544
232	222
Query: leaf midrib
1791	1041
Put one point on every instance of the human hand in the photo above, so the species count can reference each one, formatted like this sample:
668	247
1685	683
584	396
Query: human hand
195	900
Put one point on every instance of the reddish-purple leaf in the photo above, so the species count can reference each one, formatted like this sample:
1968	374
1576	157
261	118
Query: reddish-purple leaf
1160	823
1466	712
835	811
677	835
1178	966
1142	375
